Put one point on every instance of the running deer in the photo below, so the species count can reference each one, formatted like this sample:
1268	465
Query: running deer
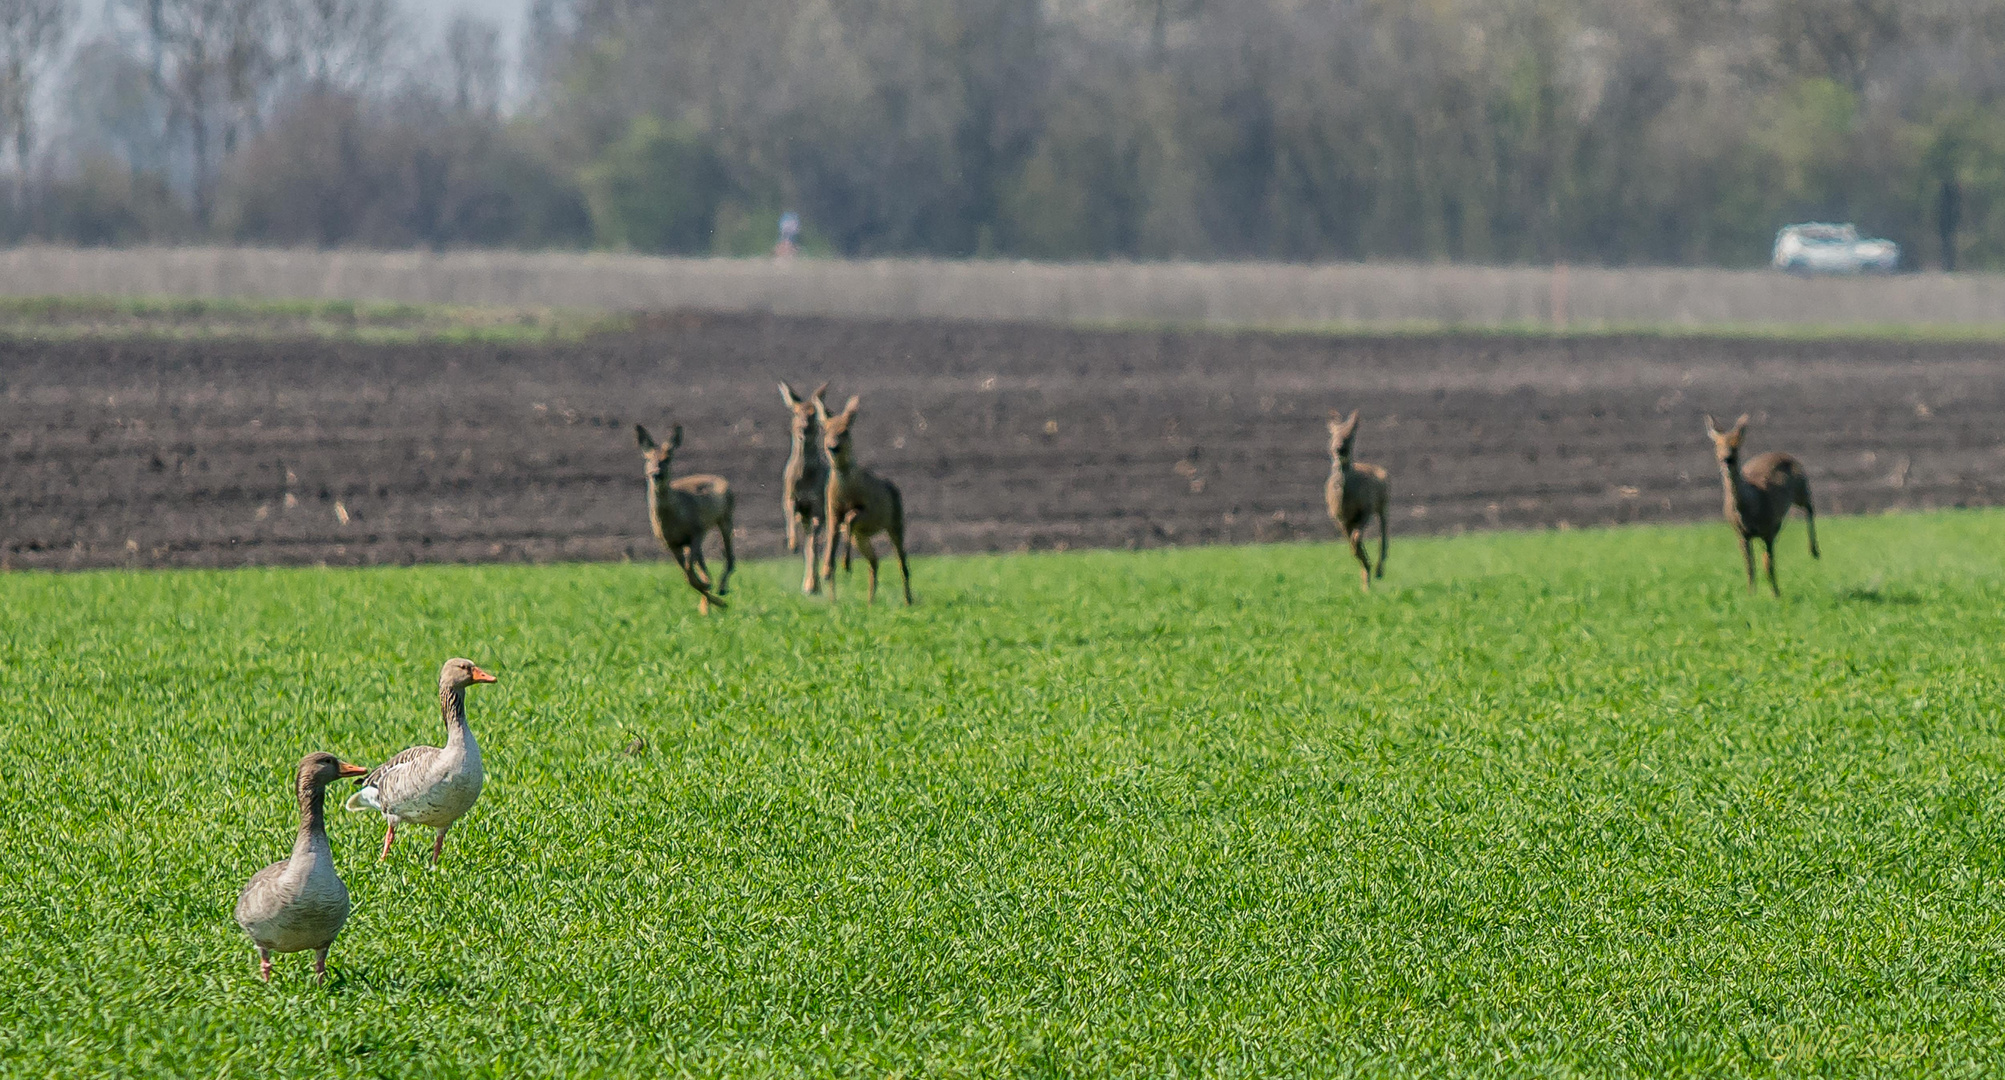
805	498
682	511
1355	493
1759	495
860	503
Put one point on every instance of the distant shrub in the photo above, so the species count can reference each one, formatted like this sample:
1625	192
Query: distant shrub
106	204
334	171
657	190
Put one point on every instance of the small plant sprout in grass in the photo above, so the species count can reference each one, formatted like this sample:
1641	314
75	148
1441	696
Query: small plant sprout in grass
1542	804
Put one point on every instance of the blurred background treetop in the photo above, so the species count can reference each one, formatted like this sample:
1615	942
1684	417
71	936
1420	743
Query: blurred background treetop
1618	132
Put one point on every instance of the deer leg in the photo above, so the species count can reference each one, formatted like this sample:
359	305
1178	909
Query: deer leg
834	527
1809	519
689	575
696	560
810	583
730	558
849	537
794	526
898	545
1357	539
1768	560
1381	542
702	587
1747	556
869	550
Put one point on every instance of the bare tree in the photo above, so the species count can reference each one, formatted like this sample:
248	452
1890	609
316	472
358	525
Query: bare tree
31	35
341	45
215	63
475	64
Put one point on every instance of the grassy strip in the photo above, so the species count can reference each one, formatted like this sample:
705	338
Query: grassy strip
1922	333
1543	804
70	318
388	323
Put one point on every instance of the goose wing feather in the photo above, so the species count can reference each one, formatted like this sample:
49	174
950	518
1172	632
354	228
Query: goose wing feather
415	755
262	895
390	777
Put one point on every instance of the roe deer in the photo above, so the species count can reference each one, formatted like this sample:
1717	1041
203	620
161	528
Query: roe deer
683	510
860	503
1759	495
1355	492
804	499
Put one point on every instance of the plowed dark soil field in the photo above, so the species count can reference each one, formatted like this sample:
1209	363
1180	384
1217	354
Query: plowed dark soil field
176	453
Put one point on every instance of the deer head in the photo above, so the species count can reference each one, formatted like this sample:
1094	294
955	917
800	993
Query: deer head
1726	444
657	457
806	412
1343	429
835	429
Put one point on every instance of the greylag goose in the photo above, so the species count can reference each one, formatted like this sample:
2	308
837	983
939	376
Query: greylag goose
430	785
299	902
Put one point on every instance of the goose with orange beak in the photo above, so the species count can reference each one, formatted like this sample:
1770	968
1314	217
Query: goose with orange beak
299	902
430	785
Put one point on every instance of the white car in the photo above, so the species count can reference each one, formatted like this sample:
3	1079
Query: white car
1817	248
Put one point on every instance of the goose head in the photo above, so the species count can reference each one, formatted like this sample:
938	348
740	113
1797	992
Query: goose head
319	769
460	673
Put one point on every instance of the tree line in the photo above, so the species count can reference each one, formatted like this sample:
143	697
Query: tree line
1618	132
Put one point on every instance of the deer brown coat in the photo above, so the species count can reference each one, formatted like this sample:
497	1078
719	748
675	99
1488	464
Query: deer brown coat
683	510
861	504
1355	493
1759	495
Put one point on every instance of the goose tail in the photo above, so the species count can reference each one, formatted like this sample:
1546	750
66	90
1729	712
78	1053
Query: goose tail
364	800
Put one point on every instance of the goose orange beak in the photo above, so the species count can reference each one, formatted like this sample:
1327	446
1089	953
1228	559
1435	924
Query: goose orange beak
353	770
482	676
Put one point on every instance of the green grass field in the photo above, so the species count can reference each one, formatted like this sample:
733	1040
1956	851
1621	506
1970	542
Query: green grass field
1547	804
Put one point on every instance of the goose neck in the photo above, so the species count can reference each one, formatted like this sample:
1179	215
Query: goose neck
452	705
312	814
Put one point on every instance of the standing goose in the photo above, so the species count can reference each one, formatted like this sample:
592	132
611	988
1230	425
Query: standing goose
299	902
426	784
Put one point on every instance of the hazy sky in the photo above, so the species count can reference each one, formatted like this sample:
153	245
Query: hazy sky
508	14
430	14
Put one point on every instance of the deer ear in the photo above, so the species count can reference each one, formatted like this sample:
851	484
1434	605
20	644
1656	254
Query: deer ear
675	437
641	436
849	410
787	394
819	391
1713	426
1740	425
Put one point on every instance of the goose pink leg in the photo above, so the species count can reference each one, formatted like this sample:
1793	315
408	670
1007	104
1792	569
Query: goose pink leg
265	964
439	845
388	838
